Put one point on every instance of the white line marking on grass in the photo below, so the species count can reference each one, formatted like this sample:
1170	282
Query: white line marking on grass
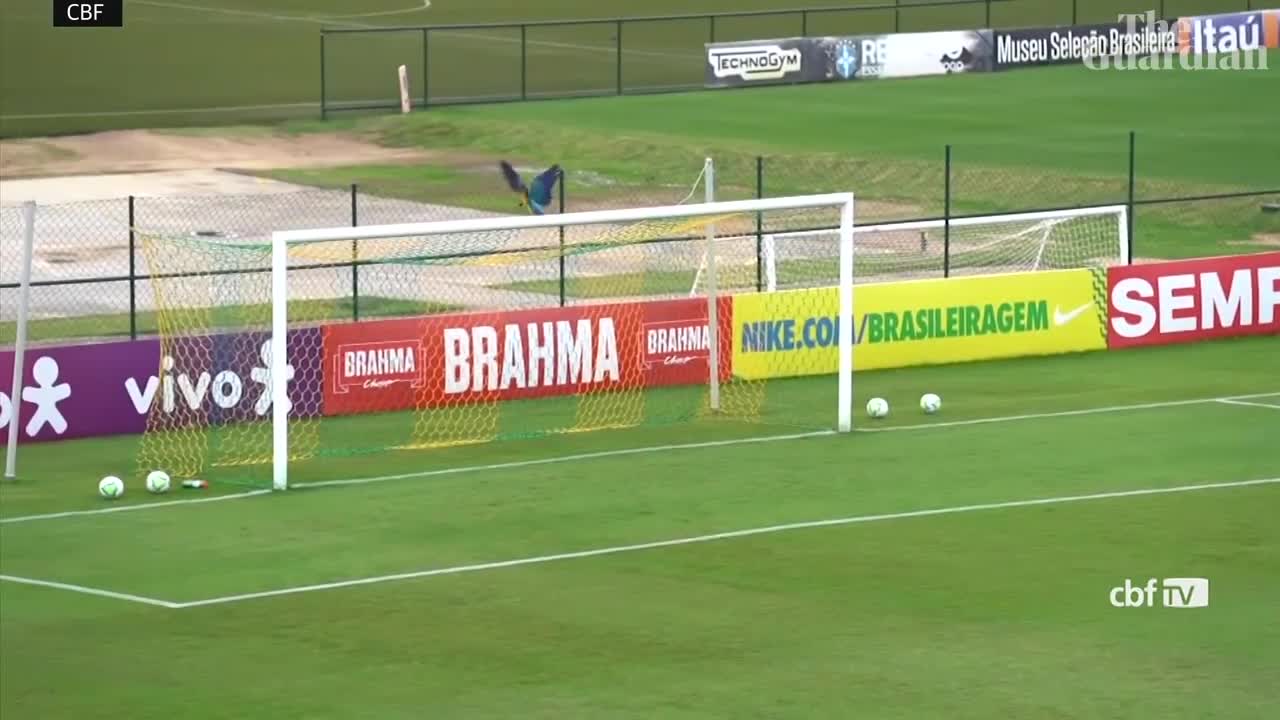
1233	401
568	458
515	464
697	539
130	508
1061	413
91	591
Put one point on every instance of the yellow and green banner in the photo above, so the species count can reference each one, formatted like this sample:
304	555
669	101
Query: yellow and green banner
792	333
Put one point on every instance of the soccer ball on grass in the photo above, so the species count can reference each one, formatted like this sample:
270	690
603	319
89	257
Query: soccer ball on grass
111	487
877	407
930	403
158	481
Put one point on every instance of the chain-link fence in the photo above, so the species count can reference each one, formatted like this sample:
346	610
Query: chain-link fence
498	62
91	276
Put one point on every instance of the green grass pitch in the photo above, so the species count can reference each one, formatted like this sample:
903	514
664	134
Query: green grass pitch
966	567
972	613
173	64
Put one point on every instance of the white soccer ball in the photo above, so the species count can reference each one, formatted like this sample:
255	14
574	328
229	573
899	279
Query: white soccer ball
111	487
930	403
877	407
158	481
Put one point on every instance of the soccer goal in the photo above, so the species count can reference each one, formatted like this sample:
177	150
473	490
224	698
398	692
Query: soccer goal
476	330
785	258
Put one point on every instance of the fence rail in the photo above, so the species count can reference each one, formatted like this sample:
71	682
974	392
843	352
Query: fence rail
546	59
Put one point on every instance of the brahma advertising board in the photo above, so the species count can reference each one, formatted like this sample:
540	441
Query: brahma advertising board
1193	300
482	357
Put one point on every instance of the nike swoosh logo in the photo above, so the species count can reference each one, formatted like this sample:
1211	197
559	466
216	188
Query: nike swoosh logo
1062	318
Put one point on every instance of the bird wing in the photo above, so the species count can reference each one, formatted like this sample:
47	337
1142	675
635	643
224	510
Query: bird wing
543	184
513	177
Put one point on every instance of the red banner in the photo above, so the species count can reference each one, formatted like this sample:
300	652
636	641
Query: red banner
459	359
1191	300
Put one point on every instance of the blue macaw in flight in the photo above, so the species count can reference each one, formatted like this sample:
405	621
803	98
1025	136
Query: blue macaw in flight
537	197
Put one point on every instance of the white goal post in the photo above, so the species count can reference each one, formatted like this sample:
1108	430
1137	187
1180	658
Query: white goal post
284	243
981	244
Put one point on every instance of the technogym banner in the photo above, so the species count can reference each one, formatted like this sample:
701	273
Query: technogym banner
825	59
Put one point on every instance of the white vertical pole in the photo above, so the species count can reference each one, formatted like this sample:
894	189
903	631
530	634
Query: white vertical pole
279	361
20	346
1124	236
845	334
713	319
770	263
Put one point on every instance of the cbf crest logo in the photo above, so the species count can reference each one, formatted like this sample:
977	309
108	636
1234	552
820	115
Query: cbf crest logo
846	58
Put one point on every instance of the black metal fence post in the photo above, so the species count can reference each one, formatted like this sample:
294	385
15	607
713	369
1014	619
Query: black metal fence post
1075	11
897	15
946	215
562	182
524	62
323	103
711	31
426	79
759	225
1133	173
987	18
355	257
133	274
618	38
804	23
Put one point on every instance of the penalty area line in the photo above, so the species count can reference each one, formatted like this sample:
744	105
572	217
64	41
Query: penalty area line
516	464
1234	399
130	508
698	539
85	590
1245	403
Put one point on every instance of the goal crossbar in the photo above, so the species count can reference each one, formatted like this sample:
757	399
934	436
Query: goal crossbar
282	240
591	217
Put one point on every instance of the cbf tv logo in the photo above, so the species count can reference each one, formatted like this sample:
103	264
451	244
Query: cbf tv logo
1171	593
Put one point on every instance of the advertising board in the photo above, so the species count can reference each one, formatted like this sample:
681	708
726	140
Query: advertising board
476	357
1029	47
837	58
100	389
792	333
734	64
1229	32
1192	300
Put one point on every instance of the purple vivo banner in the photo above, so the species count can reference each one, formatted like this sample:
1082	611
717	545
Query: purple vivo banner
81	391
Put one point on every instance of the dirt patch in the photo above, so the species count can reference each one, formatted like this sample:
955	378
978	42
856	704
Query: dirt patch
1262	239
128	151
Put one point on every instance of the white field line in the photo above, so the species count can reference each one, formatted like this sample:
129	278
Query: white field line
317	19
569	458
693	540
130	508
1233	401
515	464
90	591
1066	413
733	534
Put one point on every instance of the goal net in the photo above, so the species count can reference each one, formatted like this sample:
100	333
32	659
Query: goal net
778	258
472	331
